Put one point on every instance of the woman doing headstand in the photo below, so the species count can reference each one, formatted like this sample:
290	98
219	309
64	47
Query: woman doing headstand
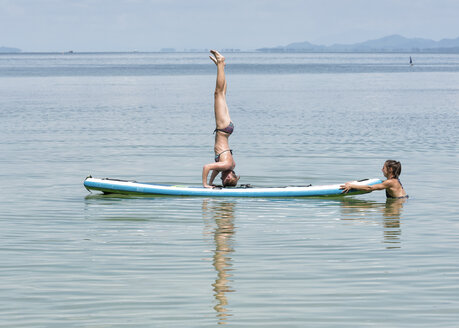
224	161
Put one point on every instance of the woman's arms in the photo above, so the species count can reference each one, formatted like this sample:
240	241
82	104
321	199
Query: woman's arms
216	168
213	175
380	186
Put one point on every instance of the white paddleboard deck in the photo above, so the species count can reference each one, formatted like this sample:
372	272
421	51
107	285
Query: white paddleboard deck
114	186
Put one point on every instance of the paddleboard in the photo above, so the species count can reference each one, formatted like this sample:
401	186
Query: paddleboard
114	186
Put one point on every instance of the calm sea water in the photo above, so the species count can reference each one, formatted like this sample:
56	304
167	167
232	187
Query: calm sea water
73	259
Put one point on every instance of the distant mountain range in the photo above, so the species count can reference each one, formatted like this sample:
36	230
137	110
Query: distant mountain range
9	50
391	43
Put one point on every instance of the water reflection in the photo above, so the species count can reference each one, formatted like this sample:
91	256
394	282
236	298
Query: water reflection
365	211
219	219
391	215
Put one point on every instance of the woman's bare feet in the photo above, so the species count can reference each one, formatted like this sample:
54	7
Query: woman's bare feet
218	59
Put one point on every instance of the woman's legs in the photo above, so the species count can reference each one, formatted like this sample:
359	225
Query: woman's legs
222	117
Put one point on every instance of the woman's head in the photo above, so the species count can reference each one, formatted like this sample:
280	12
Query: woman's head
229	178
392	169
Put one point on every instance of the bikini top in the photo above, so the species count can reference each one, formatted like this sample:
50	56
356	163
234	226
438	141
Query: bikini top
217	157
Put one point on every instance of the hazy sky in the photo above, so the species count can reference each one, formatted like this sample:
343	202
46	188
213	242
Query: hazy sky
148	25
